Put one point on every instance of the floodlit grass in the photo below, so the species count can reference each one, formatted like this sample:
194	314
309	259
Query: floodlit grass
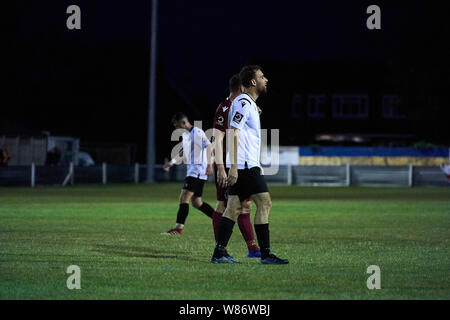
330	236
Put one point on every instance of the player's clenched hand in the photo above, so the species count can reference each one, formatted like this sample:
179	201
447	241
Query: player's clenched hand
232	176
167	166
222	177
209	170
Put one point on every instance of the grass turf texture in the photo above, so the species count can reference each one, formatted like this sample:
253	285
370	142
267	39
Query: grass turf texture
330	235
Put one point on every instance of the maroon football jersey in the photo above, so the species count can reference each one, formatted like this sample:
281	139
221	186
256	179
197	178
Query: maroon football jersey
221	121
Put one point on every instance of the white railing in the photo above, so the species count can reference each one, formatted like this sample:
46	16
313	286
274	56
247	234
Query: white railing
314	175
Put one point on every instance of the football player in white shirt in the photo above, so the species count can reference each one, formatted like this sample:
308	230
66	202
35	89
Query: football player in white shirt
220	173
245	176
199	165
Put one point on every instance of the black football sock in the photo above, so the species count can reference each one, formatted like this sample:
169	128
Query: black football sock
182	214
225	230
262	233
206	209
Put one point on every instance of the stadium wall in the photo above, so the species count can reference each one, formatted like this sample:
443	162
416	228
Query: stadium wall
374	156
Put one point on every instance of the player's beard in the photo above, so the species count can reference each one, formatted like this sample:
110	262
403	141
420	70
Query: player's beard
262	90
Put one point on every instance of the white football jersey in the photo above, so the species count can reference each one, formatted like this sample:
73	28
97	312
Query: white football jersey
194	151
244	116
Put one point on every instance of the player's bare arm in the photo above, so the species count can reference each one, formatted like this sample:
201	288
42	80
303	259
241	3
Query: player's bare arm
174	161
218	149
209	157
233	173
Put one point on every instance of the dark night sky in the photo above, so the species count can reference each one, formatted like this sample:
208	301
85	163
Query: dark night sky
93	83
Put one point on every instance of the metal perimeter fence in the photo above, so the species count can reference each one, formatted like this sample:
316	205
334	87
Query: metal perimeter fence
300	175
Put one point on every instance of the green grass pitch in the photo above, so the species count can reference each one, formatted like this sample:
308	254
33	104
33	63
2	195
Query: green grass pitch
330	235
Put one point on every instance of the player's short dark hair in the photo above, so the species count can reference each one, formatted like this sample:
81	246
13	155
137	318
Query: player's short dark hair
234	83
247	74
177	117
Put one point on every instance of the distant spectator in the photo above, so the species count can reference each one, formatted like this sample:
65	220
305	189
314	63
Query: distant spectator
4	157
53	157
446	169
